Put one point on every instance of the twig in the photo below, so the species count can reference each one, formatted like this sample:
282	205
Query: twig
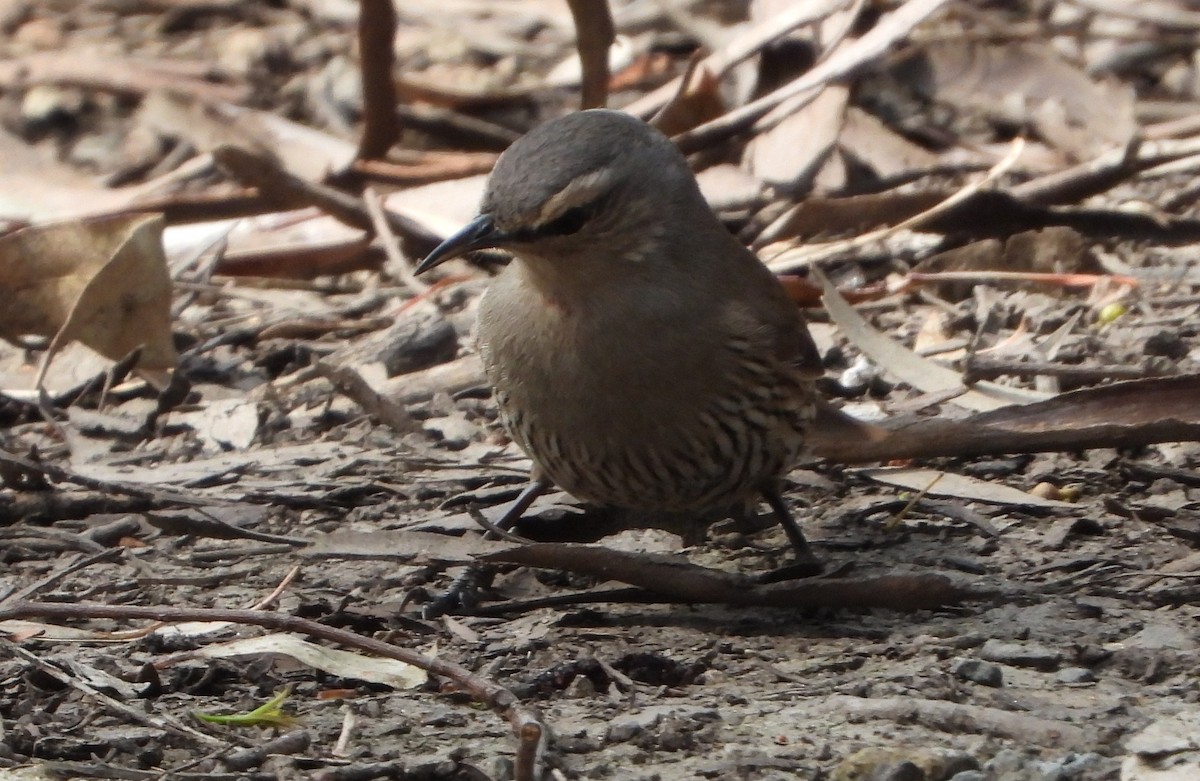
500	533
829	50
800	257
1023	728
528	728
677	579
738	49
983	368
120	75
436	168
105	486
262	604
869	47
594	35
273	182
376	33
1085	179
1124	414
136	715
396	261
353	386
895	520
985	276
63	571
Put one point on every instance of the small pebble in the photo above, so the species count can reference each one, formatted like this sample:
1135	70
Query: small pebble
1075	675
1044	490
969	775
581	688
1076	765
1020	654
978	671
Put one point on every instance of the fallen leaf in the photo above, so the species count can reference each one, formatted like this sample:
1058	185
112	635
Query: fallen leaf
918	372
789	154
1032	84
103	283
938	483
344	664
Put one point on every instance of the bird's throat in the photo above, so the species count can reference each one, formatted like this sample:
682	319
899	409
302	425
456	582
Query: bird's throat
551	288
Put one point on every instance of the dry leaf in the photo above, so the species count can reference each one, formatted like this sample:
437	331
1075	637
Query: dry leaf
103	283
789	154
869	142
334	661
1031	84
698	102
906	365
938	483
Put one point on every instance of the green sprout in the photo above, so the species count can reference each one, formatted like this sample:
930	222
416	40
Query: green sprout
269	714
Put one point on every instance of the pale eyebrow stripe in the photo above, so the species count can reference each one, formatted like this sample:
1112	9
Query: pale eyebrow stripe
580	190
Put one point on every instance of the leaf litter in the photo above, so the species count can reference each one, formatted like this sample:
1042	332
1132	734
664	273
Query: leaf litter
241	377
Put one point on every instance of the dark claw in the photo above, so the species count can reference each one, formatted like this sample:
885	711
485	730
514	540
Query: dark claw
463	593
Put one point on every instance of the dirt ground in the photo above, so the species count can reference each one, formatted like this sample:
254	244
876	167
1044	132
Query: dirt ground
271	481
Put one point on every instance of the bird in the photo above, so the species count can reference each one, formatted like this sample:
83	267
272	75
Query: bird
640	355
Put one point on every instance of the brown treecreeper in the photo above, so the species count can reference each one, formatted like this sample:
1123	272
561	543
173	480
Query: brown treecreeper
640	355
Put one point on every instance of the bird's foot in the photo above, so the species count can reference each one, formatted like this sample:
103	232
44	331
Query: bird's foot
463	593
804	567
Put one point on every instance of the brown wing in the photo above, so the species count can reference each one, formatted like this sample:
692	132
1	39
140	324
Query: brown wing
795	345
774	309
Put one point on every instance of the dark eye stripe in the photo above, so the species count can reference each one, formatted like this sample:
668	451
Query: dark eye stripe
565	224
568	222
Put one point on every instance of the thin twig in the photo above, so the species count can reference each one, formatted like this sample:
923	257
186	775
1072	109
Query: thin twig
594	35
396	261
870	46
801	257
381	123
526	725
136	715
61	475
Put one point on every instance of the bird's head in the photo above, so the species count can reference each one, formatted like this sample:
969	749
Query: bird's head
596	184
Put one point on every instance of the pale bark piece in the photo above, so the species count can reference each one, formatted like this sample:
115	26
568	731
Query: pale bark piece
855	214
1167	750
228	423
304	151
442	207
727	187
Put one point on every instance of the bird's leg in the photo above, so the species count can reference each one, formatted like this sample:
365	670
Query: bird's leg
462	589
806	564
528	496
774	499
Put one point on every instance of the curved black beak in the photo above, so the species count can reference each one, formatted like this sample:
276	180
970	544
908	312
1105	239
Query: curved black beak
479	233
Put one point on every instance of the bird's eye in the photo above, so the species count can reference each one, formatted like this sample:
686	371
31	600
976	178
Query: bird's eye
567	223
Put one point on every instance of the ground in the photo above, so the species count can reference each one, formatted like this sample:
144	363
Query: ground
1069	654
